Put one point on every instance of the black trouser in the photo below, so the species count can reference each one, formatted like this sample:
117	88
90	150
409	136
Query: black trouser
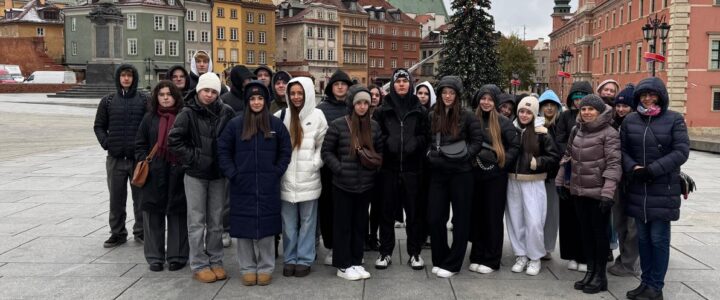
447	189
400	190
376	201
593	231
325	208
570	240
488	209
119	173
350	223
177	238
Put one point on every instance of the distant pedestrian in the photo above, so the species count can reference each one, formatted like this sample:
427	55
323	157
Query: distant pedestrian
163	195
265	74
253	152
116	123
200	64
506	106
426	95
655	144
240	76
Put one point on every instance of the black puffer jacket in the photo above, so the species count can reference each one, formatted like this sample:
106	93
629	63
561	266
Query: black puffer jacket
348	174
331	107
661	144
118	117
546	161
510	138
404	136
238	75
164	190
193	137
568	118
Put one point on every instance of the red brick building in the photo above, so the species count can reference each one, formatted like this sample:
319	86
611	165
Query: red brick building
606	40
394	40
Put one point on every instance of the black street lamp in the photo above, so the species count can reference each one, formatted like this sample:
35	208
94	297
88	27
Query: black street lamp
650	33
149	62
564	59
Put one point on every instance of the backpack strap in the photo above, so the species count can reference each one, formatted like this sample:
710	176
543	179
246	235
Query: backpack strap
282	114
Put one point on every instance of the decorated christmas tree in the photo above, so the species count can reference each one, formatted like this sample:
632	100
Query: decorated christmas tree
470	48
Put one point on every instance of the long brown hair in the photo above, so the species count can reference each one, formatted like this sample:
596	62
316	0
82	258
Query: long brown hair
360	132
495	133
296	131
529	138
254	122
174	92
447	123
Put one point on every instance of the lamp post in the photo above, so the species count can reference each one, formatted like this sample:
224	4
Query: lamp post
563	59
650	33
149	62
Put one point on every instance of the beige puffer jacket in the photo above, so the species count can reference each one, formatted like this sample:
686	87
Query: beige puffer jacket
595	158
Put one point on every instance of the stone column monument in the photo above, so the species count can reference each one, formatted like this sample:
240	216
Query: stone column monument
106	41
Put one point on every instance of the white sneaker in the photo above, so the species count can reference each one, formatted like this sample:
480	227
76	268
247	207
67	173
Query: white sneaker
434	270
483	269
474	267
361	270
416	262
328	258
533	268
349	274
399	224
582	268
226	240
572	265
449	226
520	263
442	273
383	262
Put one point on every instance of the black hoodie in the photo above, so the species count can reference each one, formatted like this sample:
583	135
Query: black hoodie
169	76
278	103
331	107
119	115
238	75
404	125
568	118
507	98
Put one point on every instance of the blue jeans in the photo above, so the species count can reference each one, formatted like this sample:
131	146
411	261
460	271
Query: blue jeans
299	221
654	245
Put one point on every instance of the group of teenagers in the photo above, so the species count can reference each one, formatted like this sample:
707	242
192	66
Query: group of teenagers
259	158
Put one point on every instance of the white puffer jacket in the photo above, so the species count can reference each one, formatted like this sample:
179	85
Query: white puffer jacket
301	181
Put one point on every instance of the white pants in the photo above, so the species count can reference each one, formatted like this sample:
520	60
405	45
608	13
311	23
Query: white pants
525	217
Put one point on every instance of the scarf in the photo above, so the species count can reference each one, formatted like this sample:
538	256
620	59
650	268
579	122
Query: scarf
651	111
167	119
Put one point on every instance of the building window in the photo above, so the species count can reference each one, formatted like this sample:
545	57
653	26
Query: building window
159	47
629	12
627	59
381	30
173	47
190	54
639	55
346	57
73	24
321	54
250	17
131	21
652	5
205	16
393	46
234	55
173	23
406	33
233	13
159	23
407	64
406	47
715	53
320	32
346	37
393	63
40	31
620	60
331	33
605	60
622	15
191	35
263	58
171	2
372	62
381	63
233	34
309	54
190	15
220	12
381	45
640	12
283	32
612	62
310	31
331	54
221	54
250	36
73	48
250	57
394	31
205	36
261	19
716	94
372	44
132	47
221	33
262	37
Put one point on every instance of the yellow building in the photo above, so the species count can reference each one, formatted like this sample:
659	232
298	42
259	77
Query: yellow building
352	54
37	19
244	33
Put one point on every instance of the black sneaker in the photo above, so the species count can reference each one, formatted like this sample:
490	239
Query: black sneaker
156	267
114	240
140	239
174	266
637	291
649	293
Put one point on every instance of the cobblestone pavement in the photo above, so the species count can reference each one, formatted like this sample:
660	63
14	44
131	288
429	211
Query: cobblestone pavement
53	220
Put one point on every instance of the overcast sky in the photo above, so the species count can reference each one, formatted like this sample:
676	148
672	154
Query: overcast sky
511	15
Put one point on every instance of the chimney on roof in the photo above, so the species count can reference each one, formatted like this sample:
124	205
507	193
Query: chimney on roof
8	4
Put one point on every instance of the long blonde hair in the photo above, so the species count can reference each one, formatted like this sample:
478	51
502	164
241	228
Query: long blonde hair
495	133
550	122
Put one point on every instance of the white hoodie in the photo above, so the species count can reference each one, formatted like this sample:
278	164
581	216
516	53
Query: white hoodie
301	181
433	98
193	64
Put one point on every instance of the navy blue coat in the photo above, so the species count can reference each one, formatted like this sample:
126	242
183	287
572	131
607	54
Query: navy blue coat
254	168
660	144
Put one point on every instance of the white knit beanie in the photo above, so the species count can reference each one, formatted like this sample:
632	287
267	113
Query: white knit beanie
530	103
208	81
599	87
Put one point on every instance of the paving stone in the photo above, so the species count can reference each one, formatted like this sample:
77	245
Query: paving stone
672	290
12	196
706	254
7	209
404	288
78	227
709	289
693	275
63	287
130	252
8	242
683	238
79	197
519	289
15	228
39	183
171	288
57	250
63	270
56	212
318	285
708	238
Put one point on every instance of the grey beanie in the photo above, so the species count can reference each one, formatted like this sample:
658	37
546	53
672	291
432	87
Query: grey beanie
594	101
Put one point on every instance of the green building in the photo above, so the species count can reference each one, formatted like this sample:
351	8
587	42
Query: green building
421	7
